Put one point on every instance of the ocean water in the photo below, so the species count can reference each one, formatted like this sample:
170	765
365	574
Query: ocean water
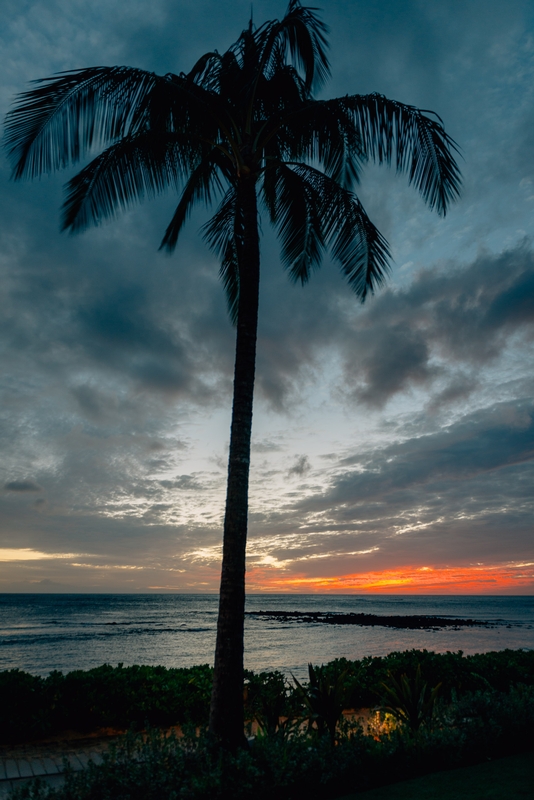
40	633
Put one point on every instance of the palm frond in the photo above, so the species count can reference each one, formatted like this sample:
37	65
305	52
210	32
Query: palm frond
124	173
322	132
269	185
60	120
305	35
339	221
229	275
360	248
206	71
392	132
301	34
224	234
297	215
203	181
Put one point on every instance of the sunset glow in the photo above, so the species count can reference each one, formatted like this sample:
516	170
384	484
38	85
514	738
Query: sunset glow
27	554
480	579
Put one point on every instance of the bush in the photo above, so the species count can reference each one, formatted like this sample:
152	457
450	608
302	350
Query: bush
495	723
458	674
268	699
323	700
159	768
410	701
481	725
125	697
118	697
25	707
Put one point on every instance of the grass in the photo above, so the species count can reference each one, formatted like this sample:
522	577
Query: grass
502	779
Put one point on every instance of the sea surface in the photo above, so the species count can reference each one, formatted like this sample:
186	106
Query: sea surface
44	632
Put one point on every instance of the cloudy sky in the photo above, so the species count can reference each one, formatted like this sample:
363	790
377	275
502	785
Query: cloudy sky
393	442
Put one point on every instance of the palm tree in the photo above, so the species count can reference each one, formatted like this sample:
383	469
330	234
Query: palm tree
240	127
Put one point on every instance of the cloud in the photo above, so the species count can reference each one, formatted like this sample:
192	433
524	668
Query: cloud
395	358
44	586
466	488
486	441
301	467
459	386
23	486
445	318
92	401
26	554
189	482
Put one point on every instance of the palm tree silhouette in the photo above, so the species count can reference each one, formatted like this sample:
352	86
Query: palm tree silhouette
240	127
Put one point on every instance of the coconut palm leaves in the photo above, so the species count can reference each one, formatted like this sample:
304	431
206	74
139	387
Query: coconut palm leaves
247	110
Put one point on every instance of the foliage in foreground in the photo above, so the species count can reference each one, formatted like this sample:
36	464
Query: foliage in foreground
481	725
84	700
410	701
134	697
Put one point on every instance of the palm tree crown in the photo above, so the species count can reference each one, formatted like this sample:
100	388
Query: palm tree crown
248	111
239	128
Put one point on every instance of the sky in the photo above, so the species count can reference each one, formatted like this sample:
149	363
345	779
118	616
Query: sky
393	442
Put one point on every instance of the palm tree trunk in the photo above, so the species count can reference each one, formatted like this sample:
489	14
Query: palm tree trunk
226	711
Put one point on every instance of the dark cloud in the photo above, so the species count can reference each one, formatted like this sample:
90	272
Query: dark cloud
459	386
434	334
22	486
408	337
480	443
91	401
122	331
296	323
301	467
468	485
395	357
183	482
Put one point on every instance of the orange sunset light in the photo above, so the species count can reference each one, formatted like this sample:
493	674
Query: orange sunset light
515	578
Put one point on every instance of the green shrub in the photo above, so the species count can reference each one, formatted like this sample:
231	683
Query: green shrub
24	706
271	702
118	697
409	699
457	673
164	769
323	699
125	697
479	726
495	723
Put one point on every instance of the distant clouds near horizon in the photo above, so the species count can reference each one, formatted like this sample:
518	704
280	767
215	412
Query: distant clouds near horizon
392	442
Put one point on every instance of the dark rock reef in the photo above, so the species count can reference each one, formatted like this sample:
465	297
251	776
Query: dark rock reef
415	621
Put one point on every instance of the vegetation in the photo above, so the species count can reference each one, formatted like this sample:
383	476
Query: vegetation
135	697
323	700
479	727
410	701
243	126
118	697
457	673
271	703
304	747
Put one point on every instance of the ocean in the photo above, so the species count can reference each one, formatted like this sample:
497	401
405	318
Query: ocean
44	632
